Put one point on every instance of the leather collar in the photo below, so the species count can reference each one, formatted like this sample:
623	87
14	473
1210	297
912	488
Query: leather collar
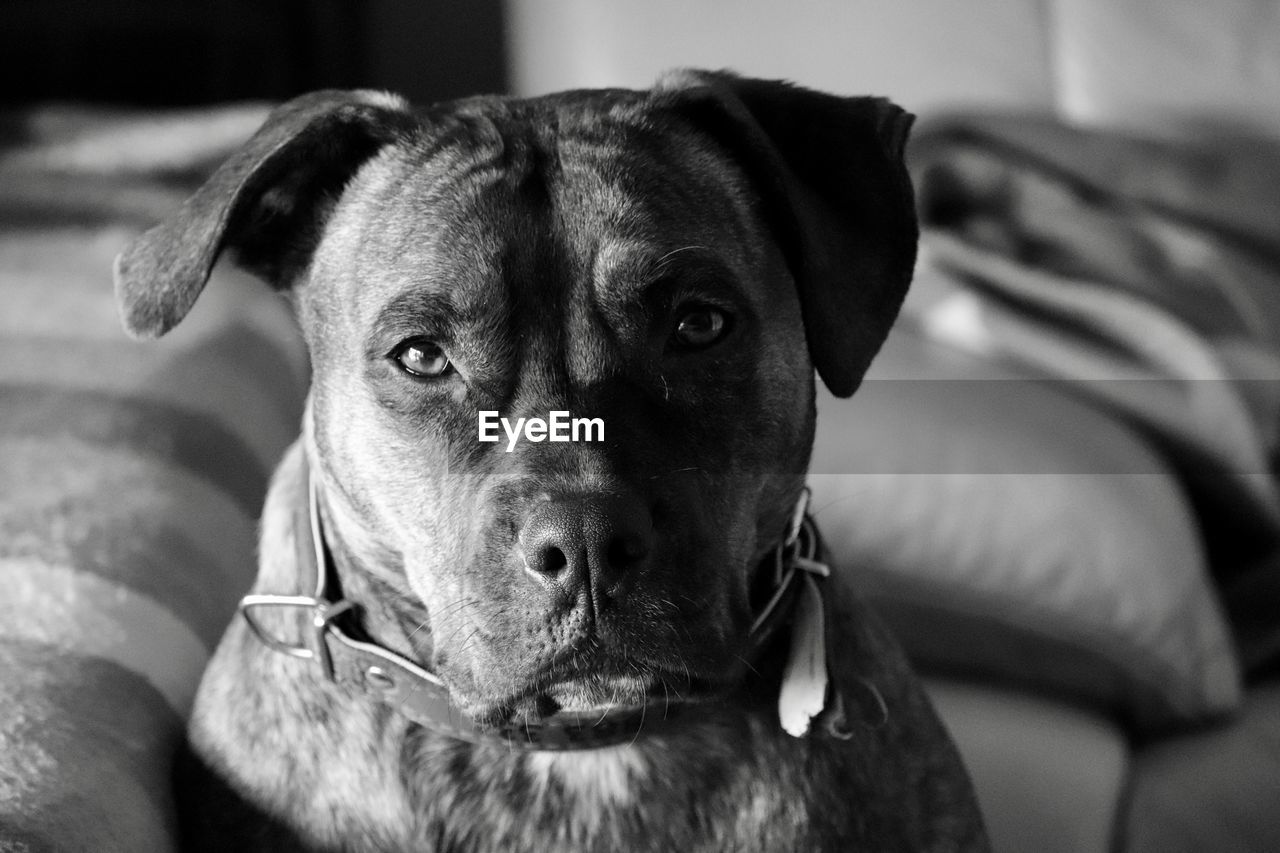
421	696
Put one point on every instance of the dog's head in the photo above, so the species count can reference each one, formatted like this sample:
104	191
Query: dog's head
671	264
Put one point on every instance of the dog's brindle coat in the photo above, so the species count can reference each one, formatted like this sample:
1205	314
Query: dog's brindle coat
574	252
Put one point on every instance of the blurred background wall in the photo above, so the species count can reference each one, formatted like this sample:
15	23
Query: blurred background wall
1147	63
919	52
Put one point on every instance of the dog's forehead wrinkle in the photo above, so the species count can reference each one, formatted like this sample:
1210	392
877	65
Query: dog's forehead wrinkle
457	140
644	221
625	270
588	195
438	262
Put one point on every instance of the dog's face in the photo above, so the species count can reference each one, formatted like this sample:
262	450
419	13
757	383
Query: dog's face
659	262
608	269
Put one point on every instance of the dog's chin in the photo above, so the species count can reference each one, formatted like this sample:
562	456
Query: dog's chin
594	694
600	693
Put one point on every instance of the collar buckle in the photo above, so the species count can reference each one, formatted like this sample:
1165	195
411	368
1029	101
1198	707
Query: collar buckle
796	554
315	646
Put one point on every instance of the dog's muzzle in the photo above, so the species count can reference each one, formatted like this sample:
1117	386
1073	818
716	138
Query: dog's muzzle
806	696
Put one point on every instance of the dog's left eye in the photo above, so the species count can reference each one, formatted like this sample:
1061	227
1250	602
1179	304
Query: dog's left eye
700	327
422	358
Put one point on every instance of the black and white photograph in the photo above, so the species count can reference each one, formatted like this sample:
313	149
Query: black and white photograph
669	426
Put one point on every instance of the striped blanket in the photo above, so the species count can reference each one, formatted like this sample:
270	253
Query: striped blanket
131	475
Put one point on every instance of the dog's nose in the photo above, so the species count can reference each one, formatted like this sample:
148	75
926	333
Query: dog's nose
601	541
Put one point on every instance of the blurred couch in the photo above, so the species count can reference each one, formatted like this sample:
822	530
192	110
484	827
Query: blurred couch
1058	482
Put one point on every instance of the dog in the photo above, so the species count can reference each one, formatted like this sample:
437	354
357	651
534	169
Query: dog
626	643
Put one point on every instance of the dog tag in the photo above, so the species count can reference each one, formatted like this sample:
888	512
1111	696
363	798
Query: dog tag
804	681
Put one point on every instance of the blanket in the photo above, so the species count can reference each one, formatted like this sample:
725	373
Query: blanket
1144	275
131	475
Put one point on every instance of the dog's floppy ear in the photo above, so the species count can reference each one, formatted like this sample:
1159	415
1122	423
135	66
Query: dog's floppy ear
832	178
266	203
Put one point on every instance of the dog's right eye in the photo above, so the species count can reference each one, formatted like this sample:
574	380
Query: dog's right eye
422	358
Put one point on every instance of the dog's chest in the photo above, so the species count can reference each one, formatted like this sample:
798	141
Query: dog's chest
618	798
595	780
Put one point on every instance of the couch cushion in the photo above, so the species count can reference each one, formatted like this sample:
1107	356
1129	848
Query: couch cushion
1049	776
1217	791
1010	531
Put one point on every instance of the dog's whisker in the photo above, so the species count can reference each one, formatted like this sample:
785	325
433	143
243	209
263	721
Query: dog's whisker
456	606
748	664
657	268
455	633
679	624
448	610
462	648
640	726
675	252
662	474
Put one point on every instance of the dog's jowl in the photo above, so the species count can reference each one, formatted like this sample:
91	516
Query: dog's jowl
627	641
